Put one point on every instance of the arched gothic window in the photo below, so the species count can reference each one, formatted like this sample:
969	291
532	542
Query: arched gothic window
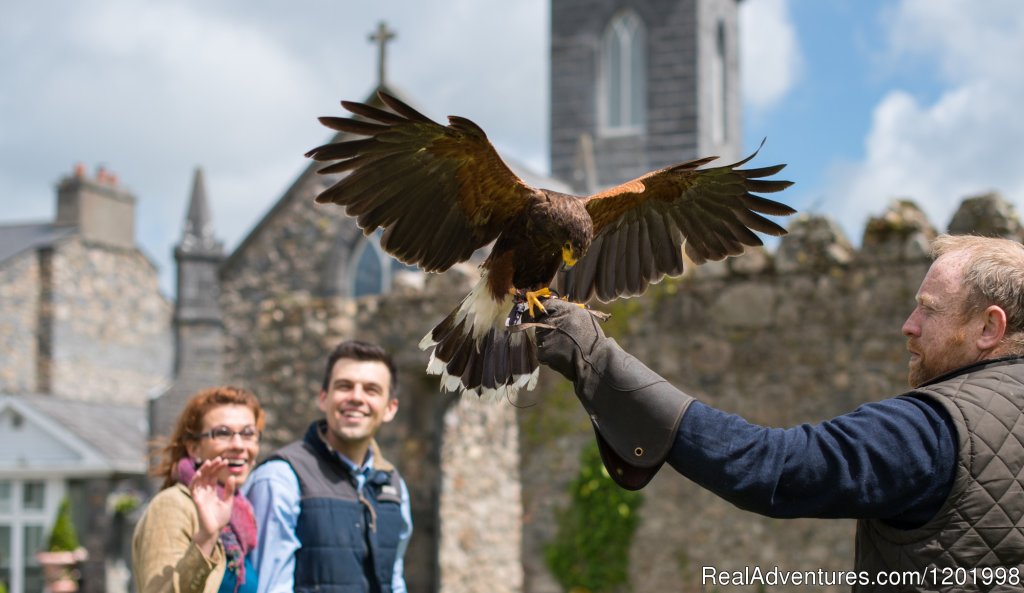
622	95
371	269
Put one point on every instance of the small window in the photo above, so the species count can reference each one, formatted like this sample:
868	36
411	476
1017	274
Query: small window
27	509
719	89
34	496
622	94
5	551
369	272
372	269
33	543
6	563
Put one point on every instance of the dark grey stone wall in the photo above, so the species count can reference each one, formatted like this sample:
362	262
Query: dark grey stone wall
200	358
778	349
680	35
802	334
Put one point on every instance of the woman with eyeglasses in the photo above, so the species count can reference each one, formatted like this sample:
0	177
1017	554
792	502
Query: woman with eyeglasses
196	533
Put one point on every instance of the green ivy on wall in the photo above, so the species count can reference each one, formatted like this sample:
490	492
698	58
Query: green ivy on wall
590	552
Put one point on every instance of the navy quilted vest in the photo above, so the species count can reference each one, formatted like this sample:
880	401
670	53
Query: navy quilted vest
349	539
976	541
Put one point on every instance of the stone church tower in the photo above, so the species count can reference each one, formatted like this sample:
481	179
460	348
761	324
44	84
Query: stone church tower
639	85
198	323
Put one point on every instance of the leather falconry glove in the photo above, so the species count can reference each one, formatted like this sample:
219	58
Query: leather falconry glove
635	412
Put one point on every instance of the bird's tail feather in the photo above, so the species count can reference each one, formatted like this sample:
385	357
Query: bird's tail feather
474	352
495	366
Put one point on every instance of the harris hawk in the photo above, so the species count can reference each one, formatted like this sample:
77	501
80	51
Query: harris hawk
442	192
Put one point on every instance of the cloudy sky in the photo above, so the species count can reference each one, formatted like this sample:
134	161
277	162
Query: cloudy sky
867	100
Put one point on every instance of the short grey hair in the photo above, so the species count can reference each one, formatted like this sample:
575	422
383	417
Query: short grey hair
993	275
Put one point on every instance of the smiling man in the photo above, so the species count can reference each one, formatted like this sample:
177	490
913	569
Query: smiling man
333	514
933	475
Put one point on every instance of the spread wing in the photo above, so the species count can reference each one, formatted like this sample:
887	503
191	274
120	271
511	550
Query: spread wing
439	192
640	226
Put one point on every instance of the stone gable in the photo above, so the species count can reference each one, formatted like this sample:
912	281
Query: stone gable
84	321
111	327
19	291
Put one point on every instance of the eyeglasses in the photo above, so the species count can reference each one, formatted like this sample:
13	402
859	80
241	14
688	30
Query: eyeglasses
223	434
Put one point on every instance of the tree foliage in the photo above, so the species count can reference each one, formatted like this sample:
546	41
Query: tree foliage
590	552
64	538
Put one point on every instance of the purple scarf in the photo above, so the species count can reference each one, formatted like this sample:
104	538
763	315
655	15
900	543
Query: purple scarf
239	536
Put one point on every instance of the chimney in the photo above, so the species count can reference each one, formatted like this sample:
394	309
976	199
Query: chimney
100	207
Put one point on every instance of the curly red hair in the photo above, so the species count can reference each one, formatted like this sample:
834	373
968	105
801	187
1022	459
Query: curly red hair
190	423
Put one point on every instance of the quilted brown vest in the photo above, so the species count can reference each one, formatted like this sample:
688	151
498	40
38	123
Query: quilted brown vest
981	523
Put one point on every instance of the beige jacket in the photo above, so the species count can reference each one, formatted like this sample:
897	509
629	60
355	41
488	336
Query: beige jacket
164	558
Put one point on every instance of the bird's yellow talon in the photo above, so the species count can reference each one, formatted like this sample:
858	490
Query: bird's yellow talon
533	300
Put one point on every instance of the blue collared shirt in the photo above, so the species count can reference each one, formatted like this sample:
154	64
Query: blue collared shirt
273	490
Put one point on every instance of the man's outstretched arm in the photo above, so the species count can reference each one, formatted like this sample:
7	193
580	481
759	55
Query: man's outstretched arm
894	459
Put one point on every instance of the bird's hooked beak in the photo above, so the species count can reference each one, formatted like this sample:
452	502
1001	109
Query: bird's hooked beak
568	256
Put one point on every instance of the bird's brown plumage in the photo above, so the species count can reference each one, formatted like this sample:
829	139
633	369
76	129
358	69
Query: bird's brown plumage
640	225
442	192
439	192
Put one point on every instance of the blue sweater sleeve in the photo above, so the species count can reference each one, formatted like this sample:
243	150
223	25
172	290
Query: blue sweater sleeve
892	460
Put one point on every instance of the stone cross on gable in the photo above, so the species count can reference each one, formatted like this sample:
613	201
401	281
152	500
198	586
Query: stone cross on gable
381	37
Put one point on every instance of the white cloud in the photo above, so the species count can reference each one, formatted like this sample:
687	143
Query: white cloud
962	143
967	42
770	58
152	90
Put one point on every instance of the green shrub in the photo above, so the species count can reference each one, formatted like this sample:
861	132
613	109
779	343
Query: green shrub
590	552
125	503
63	538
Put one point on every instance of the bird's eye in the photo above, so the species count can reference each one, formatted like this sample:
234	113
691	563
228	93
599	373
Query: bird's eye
569	254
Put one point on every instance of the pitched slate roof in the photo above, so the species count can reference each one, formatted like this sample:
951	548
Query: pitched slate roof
17	238
116	433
